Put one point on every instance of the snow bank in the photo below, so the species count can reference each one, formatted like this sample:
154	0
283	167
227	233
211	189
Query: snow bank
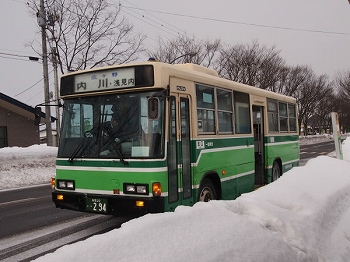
26	166
346	149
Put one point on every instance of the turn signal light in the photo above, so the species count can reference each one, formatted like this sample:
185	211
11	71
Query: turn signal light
140	203
156	189
59	197
53	182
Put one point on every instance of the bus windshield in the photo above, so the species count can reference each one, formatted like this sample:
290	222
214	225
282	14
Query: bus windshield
116	126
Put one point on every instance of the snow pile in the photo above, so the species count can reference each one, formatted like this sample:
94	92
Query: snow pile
303	216
311	139
26	166
346	149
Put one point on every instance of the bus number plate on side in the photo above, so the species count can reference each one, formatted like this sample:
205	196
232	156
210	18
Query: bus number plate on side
98	205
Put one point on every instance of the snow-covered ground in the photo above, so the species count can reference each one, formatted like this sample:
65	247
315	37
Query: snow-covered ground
303	216
312	139
26	166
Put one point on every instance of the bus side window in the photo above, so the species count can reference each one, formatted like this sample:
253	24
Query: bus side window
205	109
242	113
283	117
292	118
272	115
225	111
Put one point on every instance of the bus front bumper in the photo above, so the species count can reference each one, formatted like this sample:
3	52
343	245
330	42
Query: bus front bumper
108	204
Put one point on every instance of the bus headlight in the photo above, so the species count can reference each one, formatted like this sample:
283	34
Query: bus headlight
130	188
62	184
141	189
138	189
70	184
66	184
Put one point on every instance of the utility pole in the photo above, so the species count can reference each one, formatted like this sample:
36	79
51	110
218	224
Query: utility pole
42	23
54	63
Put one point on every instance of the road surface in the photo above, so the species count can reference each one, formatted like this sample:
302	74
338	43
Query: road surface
310	151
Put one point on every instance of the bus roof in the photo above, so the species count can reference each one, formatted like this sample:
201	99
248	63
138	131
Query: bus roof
209	76
193	72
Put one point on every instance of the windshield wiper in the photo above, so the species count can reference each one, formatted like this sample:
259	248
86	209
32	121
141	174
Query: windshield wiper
80	146
87	135
95	134
116	146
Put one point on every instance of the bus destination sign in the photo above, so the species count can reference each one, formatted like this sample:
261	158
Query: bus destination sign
104	80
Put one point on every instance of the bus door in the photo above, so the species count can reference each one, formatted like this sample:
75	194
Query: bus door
179	152
258	126
185	149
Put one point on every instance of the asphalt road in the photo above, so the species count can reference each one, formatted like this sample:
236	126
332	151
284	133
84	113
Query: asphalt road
28	209
308	152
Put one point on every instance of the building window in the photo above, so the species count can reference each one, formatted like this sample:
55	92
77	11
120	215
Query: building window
3	136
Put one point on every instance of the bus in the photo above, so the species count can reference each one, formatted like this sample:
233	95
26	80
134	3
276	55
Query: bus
147	137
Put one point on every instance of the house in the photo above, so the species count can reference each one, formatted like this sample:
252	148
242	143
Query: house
17	123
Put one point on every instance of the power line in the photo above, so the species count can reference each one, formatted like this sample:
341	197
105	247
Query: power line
16	51
145	18
149	24
39	93
163	22
18	1
29	87
32	85
158	25
243	23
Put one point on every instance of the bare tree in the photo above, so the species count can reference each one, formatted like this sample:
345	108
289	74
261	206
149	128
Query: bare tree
263	67
186	50
253	65
342	85
311	97
321	119
291	79
86	34
342	81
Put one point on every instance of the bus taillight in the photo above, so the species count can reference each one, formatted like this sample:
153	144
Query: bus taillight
156	189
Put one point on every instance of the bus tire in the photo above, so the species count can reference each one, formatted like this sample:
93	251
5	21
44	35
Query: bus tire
207	191
276	171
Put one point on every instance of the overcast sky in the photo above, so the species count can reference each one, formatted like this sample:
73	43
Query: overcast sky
307	32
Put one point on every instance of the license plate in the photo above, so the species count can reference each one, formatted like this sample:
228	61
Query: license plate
98	205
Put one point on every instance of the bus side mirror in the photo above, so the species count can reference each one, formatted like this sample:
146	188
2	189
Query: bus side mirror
153	107
37	115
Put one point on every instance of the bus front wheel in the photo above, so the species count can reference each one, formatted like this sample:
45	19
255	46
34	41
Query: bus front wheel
207	191
276	171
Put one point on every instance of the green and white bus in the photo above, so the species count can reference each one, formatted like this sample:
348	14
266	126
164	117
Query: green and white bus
148	137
